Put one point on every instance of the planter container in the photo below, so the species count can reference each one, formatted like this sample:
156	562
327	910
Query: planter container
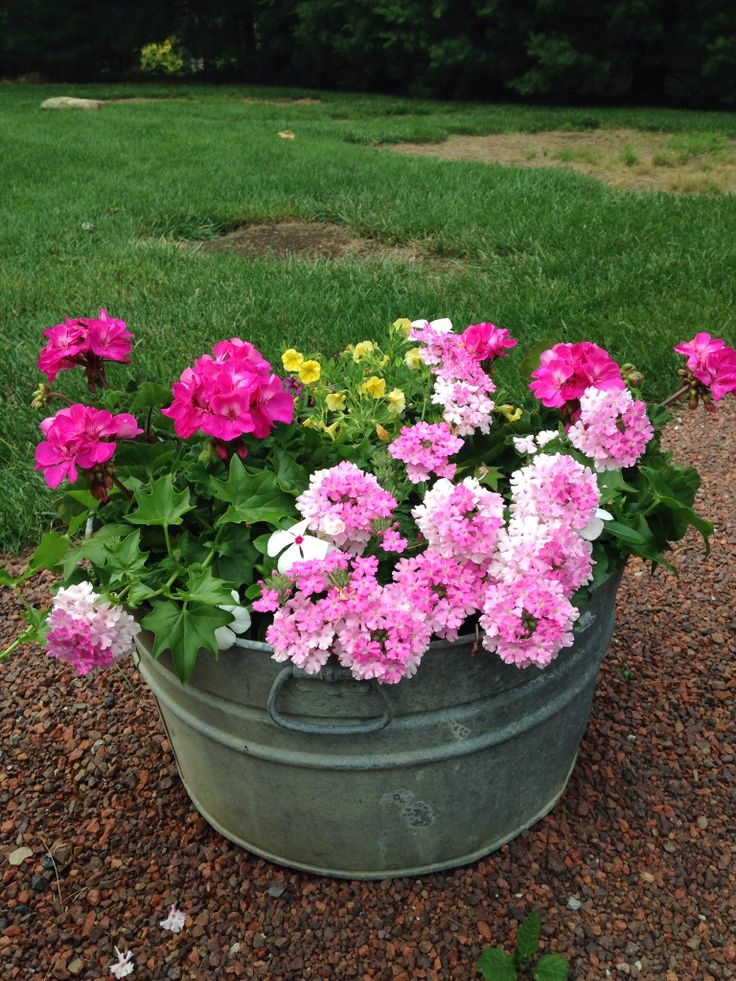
351	779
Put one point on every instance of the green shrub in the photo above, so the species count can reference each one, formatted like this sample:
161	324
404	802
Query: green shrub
166	58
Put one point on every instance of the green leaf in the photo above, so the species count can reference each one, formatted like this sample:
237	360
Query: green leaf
527	939
551	967
184	630
490	477
50	552
495	965
150	395
6	579
252	496
625	533
123	559
530	361
160	504
291	477
203	587
143	461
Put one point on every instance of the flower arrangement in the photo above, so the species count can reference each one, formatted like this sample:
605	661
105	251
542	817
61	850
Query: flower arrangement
352	507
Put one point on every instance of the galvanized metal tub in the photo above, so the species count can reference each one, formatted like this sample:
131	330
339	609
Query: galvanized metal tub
356	780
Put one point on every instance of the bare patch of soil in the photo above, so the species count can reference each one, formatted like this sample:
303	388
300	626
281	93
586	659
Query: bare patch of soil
284	102
686	163
305	240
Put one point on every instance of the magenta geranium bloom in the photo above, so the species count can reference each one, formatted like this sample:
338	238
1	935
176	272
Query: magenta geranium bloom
79	436
486	341
85	341
566	370
229	394
711	362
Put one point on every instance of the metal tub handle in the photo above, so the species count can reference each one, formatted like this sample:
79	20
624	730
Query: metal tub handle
330	674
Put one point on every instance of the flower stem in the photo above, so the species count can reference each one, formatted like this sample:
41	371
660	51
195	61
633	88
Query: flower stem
121	486
127	681
675	395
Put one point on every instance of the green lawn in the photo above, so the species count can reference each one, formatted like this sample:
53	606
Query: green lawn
545	253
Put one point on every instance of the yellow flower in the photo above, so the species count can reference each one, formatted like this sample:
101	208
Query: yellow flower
396	401
382	434
510	413
309	371
360	350
292	360
375	387
413	358
335	402
403	325
330	430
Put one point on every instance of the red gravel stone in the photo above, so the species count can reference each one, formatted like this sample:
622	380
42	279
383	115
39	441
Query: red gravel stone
643	838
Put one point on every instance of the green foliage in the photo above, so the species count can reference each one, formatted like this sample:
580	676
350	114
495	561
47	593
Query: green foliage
496	965
164	59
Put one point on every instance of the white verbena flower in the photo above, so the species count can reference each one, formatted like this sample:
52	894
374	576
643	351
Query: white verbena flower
227	635
174	921
524	444
123	967
546	436
296	546
595	526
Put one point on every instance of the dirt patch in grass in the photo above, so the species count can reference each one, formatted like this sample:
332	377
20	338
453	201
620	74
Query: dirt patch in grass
284	102
684	163
306	240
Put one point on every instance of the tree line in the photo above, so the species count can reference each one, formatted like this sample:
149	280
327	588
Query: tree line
661	51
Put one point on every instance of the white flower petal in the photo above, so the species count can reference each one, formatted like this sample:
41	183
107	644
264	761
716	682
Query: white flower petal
224	638
278	542
289	557
315	548
595	526
442	326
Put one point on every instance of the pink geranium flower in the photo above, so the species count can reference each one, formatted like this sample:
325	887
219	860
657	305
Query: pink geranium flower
88	342
711	362
80	436
566	370
485	340
229	394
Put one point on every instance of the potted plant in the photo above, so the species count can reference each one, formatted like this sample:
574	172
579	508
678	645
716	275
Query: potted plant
370	594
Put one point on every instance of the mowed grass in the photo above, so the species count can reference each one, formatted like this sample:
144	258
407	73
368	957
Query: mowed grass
545	253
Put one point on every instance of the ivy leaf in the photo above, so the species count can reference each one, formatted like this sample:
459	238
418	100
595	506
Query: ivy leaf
235	555
551	967
150	395
143	460
527	939
184	630
50	552
252	497
291	477
160	504
123	558
203	587
495	965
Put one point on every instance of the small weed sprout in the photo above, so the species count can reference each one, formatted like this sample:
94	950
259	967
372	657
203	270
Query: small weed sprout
496	965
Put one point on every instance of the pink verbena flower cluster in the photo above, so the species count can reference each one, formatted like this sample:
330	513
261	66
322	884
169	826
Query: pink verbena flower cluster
86	631
711	362
527	620
613	429
461	385
486	341
80	436
228	394
540	562
555	488
460	521
566	370
85	341
425	448
446	591
338	606
342	503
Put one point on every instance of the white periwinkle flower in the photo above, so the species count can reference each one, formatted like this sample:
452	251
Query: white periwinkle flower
442	326
227	635
296	546
174	921
123	967
595	526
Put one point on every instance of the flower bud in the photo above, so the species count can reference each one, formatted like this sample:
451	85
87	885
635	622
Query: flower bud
41	396
631	375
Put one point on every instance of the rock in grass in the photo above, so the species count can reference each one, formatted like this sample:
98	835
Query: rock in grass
67	102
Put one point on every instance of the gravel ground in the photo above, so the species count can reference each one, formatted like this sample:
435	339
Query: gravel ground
633	872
